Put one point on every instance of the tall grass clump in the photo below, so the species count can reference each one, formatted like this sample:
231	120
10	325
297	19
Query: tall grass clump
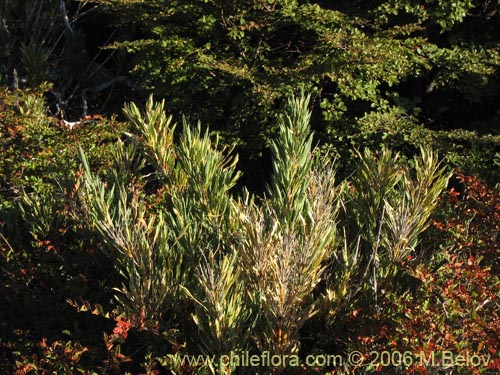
388	207
195	175
142	243
287	239
159	238
256	269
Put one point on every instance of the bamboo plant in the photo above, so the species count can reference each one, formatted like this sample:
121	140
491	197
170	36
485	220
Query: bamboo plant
287	239
253	266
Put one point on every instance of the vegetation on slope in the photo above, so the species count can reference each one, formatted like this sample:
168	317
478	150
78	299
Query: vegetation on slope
360	218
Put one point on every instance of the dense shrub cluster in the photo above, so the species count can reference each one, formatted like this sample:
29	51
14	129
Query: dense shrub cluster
125	247
136	242
392	73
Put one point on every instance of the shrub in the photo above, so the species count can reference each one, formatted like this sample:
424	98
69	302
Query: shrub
450	301
256	268
287	241
48	255
205	268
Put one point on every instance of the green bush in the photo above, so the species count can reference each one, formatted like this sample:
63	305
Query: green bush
385	73
140	237
252	265
48	254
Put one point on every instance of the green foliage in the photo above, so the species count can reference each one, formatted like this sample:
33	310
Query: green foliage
196	213
48	255
388	208
151	217
158	248
39	164
446	14
292	163
31	33
158	135
409	67
143	243
472	152
453	305
196	175
286	242
390	72
209	176
223	313
43	214
409	215
43	41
